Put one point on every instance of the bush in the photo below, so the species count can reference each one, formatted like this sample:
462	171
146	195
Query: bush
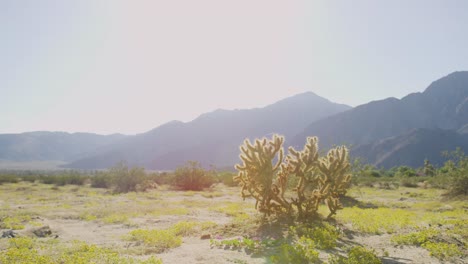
123	179
227	179
159	240
405	171
193	177
163	178
8	178
31	178
357	255
455	171
65	178
129	179
101	180
303	251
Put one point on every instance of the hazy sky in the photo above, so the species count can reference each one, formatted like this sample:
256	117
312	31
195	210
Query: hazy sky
129	66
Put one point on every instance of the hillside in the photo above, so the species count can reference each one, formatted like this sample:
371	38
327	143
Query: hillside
213	138
47	146
412	148
443	105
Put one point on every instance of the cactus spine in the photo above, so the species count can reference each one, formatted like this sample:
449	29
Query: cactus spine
265	175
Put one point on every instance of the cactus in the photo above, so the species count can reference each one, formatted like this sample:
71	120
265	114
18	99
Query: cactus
265	174
258	176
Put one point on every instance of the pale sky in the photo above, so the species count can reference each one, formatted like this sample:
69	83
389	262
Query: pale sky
129	66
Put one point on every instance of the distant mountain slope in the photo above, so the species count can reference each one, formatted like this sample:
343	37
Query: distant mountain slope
444	105
213	138
412	148
46	146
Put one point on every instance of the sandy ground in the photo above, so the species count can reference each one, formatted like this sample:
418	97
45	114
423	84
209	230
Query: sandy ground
193	249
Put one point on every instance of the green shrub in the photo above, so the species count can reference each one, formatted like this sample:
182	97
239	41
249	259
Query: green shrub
101	180
163	178
324	235
123	179
456	171
227	178
23	250
303	251
357	255
416	238
409	182
192	177
31	177
8	178
442	250
126	179
159	240
378	220
64	178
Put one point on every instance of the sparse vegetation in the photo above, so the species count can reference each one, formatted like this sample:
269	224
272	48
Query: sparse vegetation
163	219
192	177
357	255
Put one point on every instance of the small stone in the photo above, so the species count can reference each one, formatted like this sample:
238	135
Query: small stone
445	208
8	234
43	231
205	236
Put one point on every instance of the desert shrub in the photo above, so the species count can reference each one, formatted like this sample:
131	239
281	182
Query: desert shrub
378	220
15	222
64	178
442	250
265	175
81	252
227	178
409	182
459	178
31	177
8	178
454	174
303	251
159	240
21	251
405	171
416	238
127	179
428	168
166	178
193	177
324	235
427	238
357	255
184	228
101	180
123	179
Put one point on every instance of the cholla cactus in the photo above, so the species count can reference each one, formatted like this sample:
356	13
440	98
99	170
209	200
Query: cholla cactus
334	167
257	175
319	179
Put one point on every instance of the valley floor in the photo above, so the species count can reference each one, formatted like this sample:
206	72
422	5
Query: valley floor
69	224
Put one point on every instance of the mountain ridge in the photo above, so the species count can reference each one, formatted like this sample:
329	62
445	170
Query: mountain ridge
170	145
380	131
442	105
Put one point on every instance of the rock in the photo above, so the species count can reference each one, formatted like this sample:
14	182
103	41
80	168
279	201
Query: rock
8	234
205	236
43	231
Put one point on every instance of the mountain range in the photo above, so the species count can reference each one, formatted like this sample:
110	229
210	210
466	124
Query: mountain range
385	133
213	138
